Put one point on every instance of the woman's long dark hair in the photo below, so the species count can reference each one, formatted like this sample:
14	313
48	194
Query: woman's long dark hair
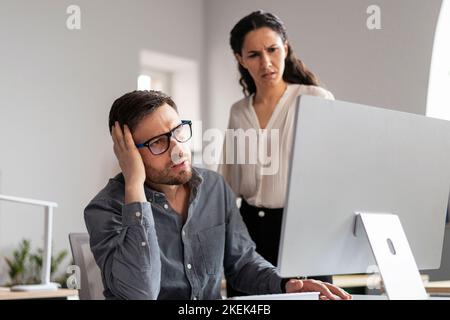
295	70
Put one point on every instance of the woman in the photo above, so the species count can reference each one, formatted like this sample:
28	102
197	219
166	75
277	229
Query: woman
272	78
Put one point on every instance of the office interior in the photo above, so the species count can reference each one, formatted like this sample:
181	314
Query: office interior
59	77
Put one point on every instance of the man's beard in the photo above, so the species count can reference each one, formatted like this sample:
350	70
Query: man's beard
168	178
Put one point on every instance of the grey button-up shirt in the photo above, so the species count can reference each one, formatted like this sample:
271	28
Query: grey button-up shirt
144	250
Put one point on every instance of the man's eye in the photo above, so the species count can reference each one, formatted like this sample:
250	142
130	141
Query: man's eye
157	142
253	55
272	49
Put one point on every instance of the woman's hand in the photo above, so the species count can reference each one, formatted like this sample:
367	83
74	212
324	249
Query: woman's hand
130	162
327	291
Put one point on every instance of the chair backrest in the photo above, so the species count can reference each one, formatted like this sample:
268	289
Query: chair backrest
91	286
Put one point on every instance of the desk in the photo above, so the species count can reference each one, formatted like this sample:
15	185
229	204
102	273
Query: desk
351	280
362	280
438	287
6	294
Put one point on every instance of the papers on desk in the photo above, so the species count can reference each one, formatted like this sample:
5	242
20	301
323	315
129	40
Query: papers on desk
283	296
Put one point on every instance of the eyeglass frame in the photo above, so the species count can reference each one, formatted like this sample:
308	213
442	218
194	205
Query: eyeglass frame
169	135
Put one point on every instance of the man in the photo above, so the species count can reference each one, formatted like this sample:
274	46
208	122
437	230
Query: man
165	230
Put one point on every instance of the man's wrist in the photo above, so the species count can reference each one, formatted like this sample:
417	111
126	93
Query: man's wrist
284	281
134	193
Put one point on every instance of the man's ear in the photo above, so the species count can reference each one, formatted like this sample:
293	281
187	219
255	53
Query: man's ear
240	60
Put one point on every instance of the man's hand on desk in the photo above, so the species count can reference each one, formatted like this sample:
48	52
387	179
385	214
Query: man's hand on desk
327	291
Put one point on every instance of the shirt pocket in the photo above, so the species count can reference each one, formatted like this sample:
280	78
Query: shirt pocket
212	245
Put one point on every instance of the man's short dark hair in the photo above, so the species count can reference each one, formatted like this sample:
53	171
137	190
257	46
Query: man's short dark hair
133	106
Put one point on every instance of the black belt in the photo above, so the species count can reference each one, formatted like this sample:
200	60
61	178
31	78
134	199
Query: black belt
248	208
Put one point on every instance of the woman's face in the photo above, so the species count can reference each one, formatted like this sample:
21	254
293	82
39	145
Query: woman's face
263	54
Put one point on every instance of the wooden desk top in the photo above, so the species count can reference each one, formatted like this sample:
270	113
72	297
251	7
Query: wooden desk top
347	281
351	280
6	294
438	287
361	280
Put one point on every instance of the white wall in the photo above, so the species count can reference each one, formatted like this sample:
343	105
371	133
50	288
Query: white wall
56	89
387	67
438	100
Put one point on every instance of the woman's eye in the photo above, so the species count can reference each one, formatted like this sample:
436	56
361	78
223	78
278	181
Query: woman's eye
273	49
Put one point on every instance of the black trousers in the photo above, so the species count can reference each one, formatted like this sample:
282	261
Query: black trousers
264	227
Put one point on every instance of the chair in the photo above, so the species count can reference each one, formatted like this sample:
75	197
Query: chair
91	286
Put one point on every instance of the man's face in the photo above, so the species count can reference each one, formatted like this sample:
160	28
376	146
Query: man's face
172	167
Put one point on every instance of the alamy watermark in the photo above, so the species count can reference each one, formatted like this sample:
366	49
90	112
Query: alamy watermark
259	147
74	280
373	22
374	280
73	21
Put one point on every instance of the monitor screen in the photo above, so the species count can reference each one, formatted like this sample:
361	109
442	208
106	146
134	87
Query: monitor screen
349	158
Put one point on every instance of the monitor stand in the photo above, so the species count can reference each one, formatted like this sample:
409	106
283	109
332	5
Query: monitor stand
392	254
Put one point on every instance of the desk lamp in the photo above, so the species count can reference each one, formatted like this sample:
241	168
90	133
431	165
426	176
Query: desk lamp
46	259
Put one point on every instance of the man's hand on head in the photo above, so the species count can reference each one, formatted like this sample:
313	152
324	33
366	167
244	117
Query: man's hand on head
130	162
326	290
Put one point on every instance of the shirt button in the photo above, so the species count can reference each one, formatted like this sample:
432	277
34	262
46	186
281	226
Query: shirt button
166	206
189	266
143	244
261	214
138	214
195	298
183	233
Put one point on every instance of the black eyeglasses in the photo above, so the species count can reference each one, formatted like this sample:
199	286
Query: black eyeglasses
161	143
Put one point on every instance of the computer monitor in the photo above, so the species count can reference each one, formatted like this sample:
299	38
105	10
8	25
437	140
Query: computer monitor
350	158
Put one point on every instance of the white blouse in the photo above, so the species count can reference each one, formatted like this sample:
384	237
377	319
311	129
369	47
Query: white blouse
252	180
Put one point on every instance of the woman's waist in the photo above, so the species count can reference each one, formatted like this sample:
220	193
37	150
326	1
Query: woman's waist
257	209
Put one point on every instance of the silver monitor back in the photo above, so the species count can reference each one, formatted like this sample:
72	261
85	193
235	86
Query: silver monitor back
349	158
